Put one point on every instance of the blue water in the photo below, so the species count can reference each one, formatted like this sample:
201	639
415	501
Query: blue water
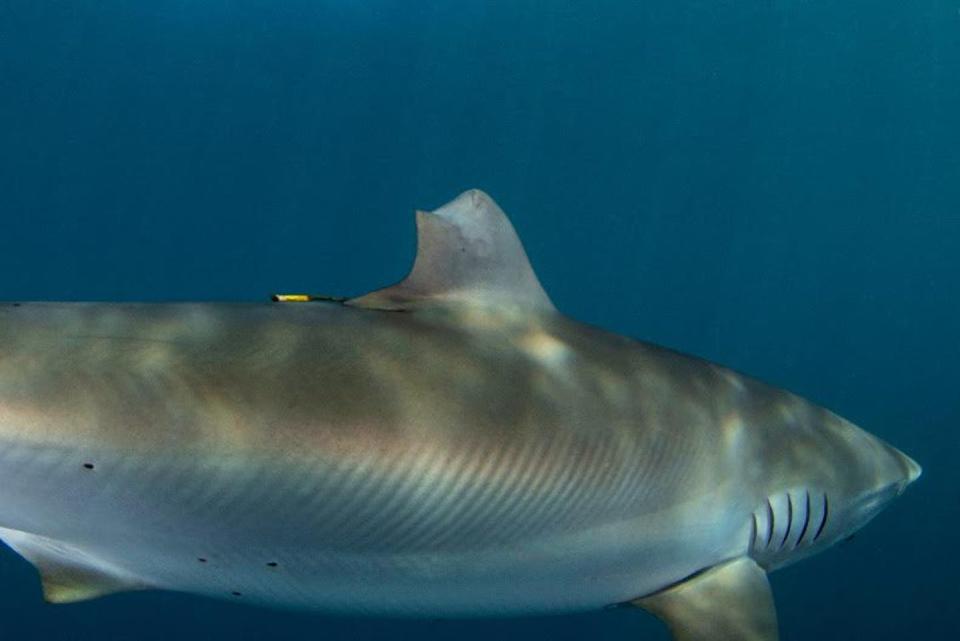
773	184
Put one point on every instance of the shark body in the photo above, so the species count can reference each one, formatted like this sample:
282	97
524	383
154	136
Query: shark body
451	445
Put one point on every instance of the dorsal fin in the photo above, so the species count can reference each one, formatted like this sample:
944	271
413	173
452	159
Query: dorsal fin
467	253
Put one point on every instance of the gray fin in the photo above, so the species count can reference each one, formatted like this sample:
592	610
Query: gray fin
728	602
467	253
67	573
69	584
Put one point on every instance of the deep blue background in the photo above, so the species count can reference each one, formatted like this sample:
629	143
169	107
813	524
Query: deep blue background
773	184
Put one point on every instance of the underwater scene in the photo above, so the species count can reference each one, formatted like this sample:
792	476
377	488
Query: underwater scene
440	427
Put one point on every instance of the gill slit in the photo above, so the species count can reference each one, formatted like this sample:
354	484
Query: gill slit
786	532
823	521
769	522
806	521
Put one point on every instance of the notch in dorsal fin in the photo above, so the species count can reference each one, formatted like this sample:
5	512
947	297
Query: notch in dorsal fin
467	253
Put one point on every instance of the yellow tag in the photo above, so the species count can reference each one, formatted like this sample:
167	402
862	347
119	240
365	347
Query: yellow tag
292	298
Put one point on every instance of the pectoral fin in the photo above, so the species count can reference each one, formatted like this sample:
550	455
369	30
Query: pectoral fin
65	584
67	572
728	602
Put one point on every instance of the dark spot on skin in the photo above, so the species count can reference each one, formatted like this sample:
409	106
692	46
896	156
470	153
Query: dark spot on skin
237	593
88	466
272	564
201	559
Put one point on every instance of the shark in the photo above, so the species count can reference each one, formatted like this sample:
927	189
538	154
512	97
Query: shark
450	445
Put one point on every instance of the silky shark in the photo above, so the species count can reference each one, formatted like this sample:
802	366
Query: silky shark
450	445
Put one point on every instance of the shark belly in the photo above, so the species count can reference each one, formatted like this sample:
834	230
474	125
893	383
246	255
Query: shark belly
302	539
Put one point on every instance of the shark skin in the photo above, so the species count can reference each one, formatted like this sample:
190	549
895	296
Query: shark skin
450	445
